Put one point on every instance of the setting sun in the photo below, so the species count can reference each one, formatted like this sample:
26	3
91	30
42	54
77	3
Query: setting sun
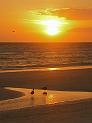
52	31
52	26
44	23
46	61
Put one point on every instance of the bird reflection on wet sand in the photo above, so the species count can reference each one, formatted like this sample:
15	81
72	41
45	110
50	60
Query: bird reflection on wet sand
38	99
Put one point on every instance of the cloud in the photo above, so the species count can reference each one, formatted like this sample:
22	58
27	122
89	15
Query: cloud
72	14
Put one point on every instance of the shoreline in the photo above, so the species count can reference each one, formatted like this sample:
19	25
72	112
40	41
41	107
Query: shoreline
6	94
69	112
52	97
48	69
63	80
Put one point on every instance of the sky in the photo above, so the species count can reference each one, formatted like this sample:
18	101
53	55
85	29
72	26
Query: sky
45	20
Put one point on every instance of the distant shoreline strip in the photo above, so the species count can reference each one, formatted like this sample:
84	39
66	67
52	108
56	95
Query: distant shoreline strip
48	69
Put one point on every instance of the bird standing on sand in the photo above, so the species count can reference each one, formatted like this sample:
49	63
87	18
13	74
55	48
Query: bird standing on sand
45	90
32	92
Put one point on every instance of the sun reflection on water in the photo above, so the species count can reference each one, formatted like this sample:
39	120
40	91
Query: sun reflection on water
52	69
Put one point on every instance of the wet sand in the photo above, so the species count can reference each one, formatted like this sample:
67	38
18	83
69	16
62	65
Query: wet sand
76	112
72	80
68	107
52	97
67	80
8	94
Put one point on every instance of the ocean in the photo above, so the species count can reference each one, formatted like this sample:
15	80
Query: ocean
22	56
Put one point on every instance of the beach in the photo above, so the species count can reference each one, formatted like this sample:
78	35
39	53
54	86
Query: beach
67	80
79	111
8	94
46	61
76	112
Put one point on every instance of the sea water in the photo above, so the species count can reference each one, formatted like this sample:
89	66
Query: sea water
21	56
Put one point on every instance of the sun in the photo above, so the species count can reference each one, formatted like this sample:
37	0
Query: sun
52	31
52	26
48	24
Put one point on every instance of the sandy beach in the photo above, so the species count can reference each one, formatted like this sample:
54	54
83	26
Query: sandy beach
68	80
45	61
8	94
73	79
74	107
76	112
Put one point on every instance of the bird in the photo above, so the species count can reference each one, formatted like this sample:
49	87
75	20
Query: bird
32	92
44	88
13	30
45	93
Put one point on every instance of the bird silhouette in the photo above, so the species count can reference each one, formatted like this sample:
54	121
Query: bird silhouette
32	92
13	30
45	89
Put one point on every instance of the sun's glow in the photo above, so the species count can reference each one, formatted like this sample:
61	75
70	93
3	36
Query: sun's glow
43	22
52	69
52	26
50	97
52	31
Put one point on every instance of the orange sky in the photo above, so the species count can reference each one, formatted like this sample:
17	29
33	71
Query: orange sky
14	13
